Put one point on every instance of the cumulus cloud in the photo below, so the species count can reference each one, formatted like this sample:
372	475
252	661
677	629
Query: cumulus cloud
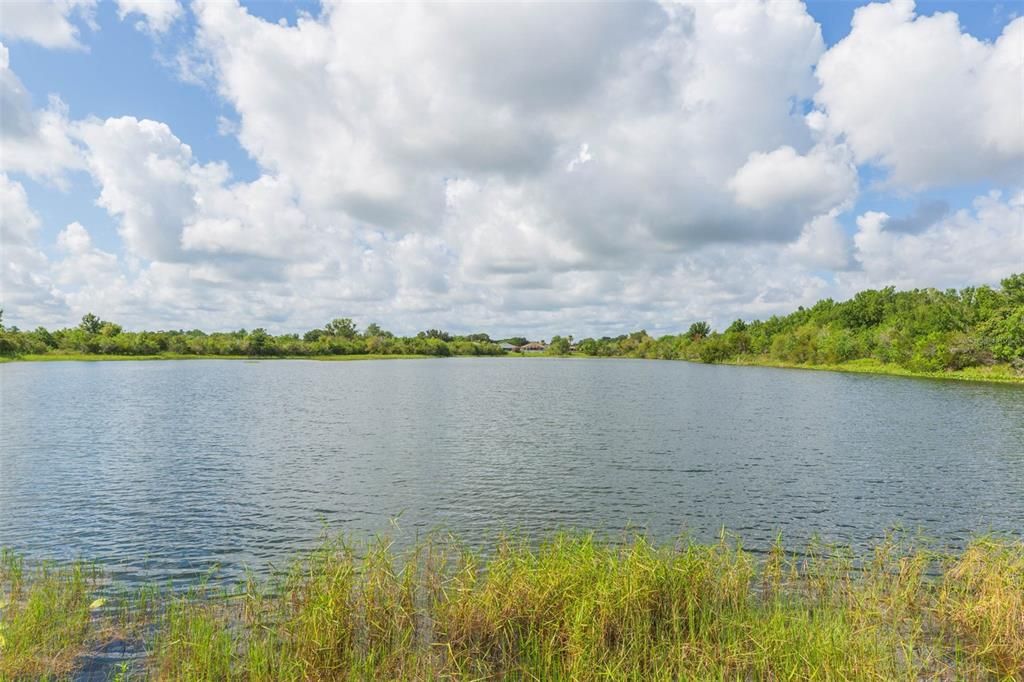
83	264
816	182
539	169
50	23
145	176
156	15
970	246
922	98
34	142
614	120
25	285
823	244
18	222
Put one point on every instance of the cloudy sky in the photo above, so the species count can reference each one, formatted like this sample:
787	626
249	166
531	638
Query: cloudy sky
583	168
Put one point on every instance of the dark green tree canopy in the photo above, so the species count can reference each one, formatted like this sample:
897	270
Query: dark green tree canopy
698	330
90	324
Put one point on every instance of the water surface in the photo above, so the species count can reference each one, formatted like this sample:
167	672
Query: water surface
165	469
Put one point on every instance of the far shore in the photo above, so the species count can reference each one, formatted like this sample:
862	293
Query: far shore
1000	373
95	357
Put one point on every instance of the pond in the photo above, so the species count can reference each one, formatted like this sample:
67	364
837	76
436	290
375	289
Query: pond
168	469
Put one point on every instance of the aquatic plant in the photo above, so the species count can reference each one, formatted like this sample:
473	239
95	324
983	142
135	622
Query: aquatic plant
571	606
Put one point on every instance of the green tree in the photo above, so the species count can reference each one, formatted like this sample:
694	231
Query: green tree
313	334
558	346
435	334
1005	334
1013	289
698	331
341	326
110	329
259	342
45	337
737	326
90	324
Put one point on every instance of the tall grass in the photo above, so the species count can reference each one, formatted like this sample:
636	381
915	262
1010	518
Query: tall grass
45	617
576	607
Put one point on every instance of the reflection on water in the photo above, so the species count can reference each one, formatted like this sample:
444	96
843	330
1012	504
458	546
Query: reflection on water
169	468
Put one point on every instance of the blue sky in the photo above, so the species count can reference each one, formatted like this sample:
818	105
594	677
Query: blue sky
576	221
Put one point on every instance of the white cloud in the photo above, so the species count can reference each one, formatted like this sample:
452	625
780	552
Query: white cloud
46	22
18	222
25	285
34	142
968	247
564	168
83	264
581	158
822	245
819	181
157	15
394	101
145	175
922	98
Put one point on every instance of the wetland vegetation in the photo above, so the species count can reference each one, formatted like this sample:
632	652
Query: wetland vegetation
571	606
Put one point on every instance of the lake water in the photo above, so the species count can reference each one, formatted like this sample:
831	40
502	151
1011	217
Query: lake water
165	469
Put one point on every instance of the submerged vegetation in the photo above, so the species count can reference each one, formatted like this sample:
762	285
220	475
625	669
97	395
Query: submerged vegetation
570	607
977	333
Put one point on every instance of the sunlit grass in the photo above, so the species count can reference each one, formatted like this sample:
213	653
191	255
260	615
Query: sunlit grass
570	607
998	373
45	617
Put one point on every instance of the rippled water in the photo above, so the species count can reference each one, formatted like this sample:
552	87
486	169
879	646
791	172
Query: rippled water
168	468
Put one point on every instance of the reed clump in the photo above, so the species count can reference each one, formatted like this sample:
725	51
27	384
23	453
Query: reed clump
46	615
576	607
981	598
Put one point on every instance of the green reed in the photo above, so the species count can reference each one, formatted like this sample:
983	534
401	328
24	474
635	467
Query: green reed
572	607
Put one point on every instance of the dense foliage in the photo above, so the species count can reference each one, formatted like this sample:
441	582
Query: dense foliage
338	337
924	330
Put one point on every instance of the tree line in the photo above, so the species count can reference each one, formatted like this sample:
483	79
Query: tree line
340	336
921	330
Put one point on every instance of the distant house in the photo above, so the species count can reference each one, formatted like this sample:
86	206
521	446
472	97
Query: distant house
534	347
509	347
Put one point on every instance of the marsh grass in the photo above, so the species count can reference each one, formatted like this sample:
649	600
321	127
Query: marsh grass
1001	373
46	617
577	607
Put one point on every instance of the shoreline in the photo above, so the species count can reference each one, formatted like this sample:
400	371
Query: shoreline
870	366
97	357
995	374
558	606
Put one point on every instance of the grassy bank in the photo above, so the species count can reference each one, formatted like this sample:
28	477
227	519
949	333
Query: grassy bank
570	607
1000	373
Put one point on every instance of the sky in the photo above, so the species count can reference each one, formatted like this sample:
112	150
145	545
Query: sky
533	169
